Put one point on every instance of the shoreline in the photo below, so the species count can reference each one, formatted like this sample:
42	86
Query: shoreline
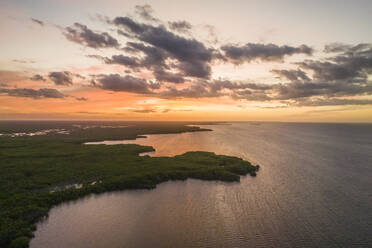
52	162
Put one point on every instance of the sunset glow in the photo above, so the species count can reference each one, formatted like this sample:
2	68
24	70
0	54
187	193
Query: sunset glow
135	60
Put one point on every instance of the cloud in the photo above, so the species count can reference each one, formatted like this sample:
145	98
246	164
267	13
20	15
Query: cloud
328	71
115	82
353	64
292	75
154	85
264	52
122	60
154	57
180	26
218	85
129	24
333	102
165	50
81	98
309	89
37	77
165	76
192	56
336	48
32	93
250	95
145	11
61	77
152	61
41	23
216	88
82	35
212	33
359	49
198	69
195	90
295	91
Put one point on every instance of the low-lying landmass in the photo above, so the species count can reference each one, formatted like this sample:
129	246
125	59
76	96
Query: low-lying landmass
41	171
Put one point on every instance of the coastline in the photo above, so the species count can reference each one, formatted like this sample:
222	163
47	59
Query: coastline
66	159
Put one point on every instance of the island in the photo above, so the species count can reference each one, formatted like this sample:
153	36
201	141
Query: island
41	171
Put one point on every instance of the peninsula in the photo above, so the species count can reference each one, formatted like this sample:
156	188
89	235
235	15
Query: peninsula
45	164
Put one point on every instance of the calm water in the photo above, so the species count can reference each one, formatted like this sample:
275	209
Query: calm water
314	190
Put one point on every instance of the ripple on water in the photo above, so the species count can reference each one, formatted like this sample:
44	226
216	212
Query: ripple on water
313	190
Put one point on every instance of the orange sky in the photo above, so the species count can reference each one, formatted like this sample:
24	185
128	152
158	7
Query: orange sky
150	63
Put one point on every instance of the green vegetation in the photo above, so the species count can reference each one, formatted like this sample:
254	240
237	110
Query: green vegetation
32	166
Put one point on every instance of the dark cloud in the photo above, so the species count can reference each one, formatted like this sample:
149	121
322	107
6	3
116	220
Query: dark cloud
82	35
328	71
125	34
180	26
122	60
41	23
295	91
187	51
115	82
129	24
171	57
192	56
254	51
292	75
195	90
165	76
353	64
219	85
198	69
333	102
154	57
153	60
250	95
154	85
326	89
344	75
241	90
37	77
217	88
145	11
61	77
32	93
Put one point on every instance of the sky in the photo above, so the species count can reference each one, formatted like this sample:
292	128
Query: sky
267	60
